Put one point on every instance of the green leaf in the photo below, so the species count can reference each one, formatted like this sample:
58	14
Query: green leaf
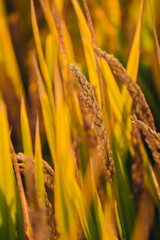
124	197
9	205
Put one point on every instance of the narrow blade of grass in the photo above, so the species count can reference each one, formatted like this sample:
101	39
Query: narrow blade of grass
124	198
106	232
65	214
25	130
38	166
133	61
155	181
113	90
49	19
48	113
155	36
49	54
41	58
88	49
68	44
111	83
8	54
143	224
8	198
60	5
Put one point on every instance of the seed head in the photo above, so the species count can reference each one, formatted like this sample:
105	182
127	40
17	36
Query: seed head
89	99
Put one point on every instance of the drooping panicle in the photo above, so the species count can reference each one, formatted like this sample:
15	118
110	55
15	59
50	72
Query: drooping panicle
141	107
89	100
152	138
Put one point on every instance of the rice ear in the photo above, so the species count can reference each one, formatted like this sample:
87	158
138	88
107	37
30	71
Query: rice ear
152	138
89	100
141	107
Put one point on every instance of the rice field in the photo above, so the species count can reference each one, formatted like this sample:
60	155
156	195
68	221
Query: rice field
79	120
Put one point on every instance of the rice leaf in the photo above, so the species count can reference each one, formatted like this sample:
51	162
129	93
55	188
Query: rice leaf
60	5
25	130
49	53
90	222
155	36
68	43
78	200
106	232
113	90
124	198
8	193
47	112
41	56
8	55
38	166
109	30
133	61
132	70
49	19
85	217
88	49
65	214
145	218
157	187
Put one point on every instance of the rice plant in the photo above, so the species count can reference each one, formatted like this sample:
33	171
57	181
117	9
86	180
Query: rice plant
79	120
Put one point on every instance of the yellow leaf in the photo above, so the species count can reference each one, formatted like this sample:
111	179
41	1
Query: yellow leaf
8	55
25	130
42	61
114	12
38	166
65	174
49	54
132	70
7	180
155	36
48	113
49	18
8	193
88	49
113	90
59	4
133	61
68	44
